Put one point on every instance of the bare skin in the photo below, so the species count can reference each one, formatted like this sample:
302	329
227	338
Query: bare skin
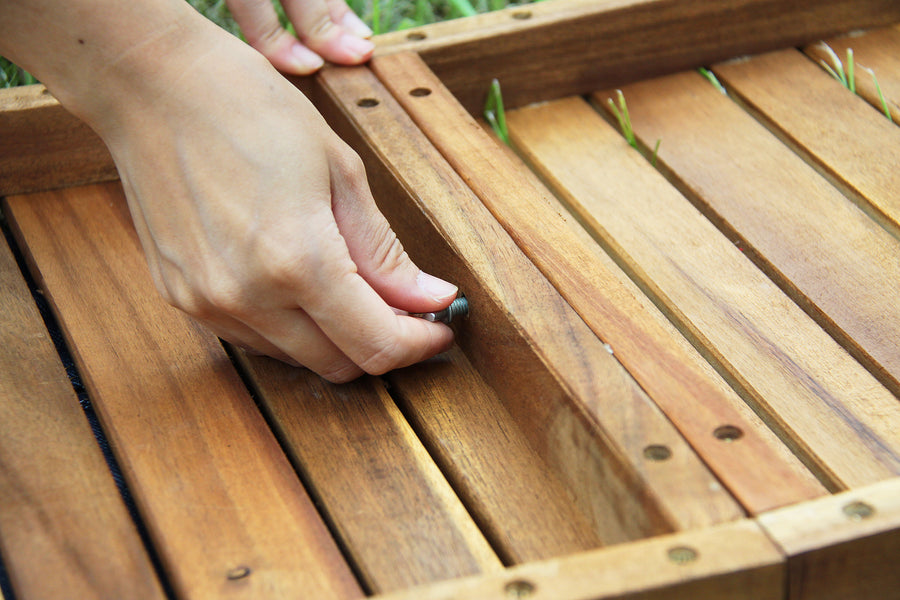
255	218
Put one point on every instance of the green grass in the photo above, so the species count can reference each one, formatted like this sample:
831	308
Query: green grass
494	112
847	74
620	111
381	15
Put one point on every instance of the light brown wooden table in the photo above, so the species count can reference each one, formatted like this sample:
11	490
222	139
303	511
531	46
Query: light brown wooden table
678	380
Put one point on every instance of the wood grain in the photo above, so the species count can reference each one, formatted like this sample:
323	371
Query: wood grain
833	260
395	514
581	410
516	498
807	388
213	486
843	546
734	560
877	49
570	47
43	146
681	383
64	530
854	146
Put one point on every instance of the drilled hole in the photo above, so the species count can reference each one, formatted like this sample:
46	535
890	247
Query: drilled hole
519	589
657	452
238	573
857	511
367	102
522	15
682	555
420	92
728	433
415	36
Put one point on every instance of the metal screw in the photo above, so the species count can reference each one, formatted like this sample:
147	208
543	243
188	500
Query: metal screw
457	308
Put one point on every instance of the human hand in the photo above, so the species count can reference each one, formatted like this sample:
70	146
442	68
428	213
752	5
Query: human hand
327	29
258	221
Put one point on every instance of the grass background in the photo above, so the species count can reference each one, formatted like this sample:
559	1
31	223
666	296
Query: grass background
381	15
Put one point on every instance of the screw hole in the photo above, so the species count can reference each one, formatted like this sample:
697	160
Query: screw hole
238	573
682	555
415	36
519	589
657	452
728	433
420	92
857	511
522	15
367	102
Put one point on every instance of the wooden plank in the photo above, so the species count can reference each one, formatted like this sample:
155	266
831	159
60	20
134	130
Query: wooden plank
575	46
806	387
395	514
43	146
844	546
822	250
735	561
663	363
520	503
877	49
64	530
225	510
854	146
579	407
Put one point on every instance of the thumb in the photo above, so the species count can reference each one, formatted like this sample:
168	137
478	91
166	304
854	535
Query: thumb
377	252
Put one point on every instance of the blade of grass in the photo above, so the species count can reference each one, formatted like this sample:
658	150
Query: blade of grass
494	112
464	7
884	105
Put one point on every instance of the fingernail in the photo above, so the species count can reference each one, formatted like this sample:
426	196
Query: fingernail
437	289
305	59
357	46
355	25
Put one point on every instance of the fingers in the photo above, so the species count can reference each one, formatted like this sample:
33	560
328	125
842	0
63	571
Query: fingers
328	29
380	258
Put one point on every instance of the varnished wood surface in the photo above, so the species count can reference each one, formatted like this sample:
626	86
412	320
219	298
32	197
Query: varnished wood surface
64	529
802	382
395	514
516	498
672	372
735	561
579	407
211	482
43	146
843	546
834	260
567	47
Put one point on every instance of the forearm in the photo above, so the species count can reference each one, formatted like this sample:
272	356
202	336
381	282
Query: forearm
97	56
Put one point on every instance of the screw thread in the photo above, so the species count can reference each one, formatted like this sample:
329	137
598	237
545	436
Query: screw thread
458	308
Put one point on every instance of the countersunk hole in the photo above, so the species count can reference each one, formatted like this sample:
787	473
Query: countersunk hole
657	452
682	555
522	15
857	511
238	573
415	36
728	433
519	589
420	92
367	102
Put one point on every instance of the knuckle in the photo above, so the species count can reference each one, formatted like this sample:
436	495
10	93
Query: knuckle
386	357
226	295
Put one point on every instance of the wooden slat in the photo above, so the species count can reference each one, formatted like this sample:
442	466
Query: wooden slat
43	146
833	413
844	546
579	407
854	146
879	50
520	503
209	478
395	514
735	561
64	530
670	370
833	260
575	46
